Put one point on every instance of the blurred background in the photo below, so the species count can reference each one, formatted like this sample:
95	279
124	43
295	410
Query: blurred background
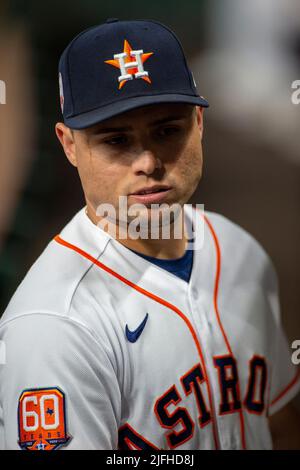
244	56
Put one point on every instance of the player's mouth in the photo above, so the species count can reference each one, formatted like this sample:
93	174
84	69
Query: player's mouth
153	194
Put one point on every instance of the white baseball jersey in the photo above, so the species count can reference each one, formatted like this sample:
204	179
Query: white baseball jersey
105	350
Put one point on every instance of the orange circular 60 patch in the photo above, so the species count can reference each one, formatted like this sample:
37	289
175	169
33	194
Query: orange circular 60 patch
42	419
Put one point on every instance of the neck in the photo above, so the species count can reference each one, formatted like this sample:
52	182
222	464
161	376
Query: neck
163	248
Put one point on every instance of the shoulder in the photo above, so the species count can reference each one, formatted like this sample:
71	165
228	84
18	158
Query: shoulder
233	235
50	284
239	249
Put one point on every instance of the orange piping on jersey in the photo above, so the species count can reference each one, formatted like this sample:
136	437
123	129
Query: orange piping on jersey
154	297
281	394
216	288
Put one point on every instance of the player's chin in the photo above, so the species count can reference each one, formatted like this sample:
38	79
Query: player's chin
163	213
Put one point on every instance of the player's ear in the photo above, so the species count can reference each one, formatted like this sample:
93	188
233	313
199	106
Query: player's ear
66	137
199	117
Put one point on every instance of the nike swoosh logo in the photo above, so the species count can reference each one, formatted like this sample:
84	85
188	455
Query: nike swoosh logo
134	335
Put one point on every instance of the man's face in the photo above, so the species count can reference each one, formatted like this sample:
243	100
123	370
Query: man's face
157	145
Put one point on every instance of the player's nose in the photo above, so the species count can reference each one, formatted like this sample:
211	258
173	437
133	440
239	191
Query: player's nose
146	162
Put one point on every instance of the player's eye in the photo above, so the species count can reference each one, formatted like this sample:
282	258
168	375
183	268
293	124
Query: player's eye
116	140
168	131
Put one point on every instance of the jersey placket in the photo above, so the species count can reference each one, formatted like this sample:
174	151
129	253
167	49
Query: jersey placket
203	300
213	345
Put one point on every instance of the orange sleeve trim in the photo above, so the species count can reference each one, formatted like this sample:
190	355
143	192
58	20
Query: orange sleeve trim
291	384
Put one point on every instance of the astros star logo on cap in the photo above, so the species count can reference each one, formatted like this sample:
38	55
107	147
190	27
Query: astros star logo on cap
98	63
130	68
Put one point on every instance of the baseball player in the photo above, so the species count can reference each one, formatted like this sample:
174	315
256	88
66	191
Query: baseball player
136	342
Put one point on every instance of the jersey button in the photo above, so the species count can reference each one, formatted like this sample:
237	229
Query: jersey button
195	293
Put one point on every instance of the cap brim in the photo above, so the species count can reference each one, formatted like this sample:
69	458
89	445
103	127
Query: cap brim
95	116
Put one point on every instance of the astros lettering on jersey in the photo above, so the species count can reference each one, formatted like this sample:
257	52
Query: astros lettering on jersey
111	351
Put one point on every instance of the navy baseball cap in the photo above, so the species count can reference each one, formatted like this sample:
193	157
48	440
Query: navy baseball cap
118	66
